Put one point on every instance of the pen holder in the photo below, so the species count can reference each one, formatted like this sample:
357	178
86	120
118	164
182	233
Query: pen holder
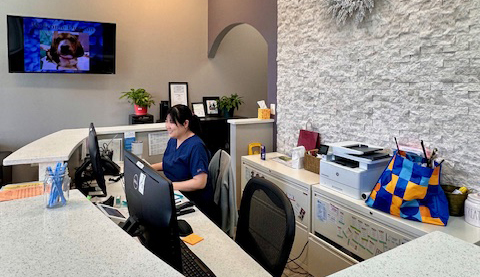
56	189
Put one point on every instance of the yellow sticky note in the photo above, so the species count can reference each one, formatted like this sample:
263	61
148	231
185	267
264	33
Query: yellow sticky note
192	239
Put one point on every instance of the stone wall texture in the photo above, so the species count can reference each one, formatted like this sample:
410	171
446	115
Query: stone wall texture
410	70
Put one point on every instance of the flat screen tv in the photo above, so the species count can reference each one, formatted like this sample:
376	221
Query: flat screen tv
45	45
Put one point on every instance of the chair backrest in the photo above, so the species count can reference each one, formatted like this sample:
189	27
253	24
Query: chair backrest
266	225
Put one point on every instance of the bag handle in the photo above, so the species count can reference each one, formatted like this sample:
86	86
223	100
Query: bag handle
309	120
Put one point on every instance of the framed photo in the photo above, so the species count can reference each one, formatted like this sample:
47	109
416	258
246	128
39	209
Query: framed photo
178	93
211	105
198	109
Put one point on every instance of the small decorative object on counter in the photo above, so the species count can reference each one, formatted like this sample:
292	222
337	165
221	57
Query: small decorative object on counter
263	113
263	152
472	209
56	186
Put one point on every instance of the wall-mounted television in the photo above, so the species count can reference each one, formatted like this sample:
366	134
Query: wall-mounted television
45	45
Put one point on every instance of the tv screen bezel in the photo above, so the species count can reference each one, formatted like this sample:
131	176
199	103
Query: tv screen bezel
113	47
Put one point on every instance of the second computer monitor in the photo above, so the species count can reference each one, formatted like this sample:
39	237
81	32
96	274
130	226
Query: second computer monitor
151	205
95	159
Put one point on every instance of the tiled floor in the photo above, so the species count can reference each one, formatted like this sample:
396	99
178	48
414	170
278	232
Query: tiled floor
294	270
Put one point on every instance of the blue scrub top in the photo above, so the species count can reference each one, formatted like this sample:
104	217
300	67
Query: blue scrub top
189	160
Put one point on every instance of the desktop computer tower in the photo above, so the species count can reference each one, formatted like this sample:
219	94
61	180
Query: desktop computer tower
163	111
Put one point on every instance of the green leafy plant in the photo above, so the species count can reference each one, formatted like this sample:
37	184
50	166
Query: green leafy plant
228	103
139	97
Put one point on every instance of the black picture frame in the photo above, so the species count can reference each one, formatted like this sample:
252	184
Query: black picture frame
198	105
211	105
178	93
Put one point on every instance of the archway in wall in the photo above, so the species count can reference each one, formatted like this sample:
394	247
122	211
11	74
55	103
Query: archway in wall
240	57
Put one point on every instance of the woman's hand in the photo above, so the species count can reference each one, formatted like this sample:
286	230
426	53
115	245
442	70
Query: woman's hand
197	182
157	166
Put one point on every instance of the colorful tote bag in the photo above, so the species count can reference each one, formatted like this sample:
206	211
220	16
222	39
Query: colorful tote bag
410	190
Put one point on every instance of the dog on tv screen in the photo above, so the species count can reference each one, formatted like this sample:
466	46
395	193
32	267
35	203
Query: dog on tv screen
67	51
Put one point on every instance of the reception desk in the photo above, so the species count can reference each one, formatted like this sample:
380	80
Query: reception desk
61	146
79	240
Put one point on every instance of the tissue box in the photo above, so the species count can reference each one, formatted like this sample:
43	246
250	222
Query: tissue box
263	113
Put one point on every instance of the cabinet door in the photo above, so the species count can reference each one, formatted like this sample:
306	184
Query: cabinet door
361	236
298	195
324	259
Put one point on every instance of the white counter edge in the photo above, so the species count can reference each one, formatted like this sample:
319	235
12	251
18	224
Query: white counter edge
25	155
249	121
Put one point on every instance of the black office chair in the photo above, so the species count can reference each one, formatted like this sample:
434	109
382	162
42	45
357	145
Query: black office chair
266	225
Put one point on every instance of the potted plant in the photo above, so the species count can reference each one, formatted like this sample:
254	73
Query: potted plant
228	104
141	100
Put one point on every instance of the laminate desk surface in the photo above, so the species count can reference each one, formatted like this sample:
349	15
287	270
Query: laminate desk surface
75	240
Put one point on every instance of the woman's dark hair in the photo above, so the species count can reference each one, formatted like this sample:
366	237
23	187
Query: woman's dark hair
179	113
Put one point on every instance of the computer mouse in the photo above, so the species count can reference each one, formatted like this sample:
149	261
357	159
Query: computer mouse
184	229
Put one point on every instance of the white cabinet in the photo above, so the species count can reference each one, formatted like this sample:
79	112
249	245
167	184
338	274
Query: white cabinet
340	230
299	195
296	186
351	232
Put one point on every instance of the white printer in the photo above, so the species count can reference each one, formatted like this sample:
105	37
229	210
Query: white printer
352	168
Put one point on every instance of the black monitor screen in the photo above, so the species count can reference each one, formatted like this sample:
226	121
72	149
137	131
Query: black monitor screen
45	45
95	158
151	204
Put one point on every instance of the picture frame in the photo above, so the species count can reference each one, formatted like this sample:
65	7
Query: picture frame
198	109
178	93
211	105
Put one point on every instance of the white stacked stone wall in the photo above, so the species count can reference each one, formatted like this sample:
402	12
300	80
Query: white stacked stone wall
411	70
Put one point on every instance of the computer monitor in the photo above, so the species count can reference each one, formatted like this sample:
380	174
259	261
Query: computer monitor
152	208
95	159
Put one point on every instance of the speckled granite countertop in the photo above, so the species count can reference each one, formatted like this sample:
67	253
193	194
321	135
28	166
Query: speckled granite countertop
434	254
75	240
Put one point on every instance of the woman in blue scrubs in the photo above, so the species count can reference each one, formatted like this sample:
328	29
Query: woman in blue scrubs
185	161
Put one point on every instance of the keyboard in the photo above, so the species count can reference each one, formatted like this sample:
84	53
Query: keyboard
191	264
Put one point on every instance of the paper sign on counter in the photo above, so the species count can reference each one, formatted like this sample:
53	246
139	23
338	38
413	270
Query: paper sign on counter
157	143
321	211
341	218
382	236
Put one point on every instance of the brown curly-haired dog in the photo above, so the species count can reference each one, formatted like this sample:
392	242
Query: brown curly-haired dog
65	50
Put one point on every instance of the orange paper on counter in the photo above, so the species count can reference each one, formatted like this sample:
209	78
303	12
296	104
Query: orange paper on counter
192	239
19	193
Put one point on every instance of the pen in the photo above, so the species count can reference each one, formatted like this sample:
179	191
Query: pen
424	152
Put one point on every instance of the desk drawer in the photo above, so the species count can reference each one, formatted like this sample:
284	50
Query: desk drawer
324	259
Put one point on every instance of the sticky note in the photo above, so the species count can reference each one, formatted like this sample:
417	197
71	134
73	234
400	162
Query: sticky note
192	239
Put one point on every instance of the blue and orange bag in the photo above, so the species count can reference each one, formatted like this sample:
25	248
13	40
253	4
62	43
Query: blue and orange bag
411	190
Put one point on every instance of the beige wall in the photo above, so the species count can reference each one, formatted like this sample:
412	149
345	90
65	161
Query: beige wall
157	42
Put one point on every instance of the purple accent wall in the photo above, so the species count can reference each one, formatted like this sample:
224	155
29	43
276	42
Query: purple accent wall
223	15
